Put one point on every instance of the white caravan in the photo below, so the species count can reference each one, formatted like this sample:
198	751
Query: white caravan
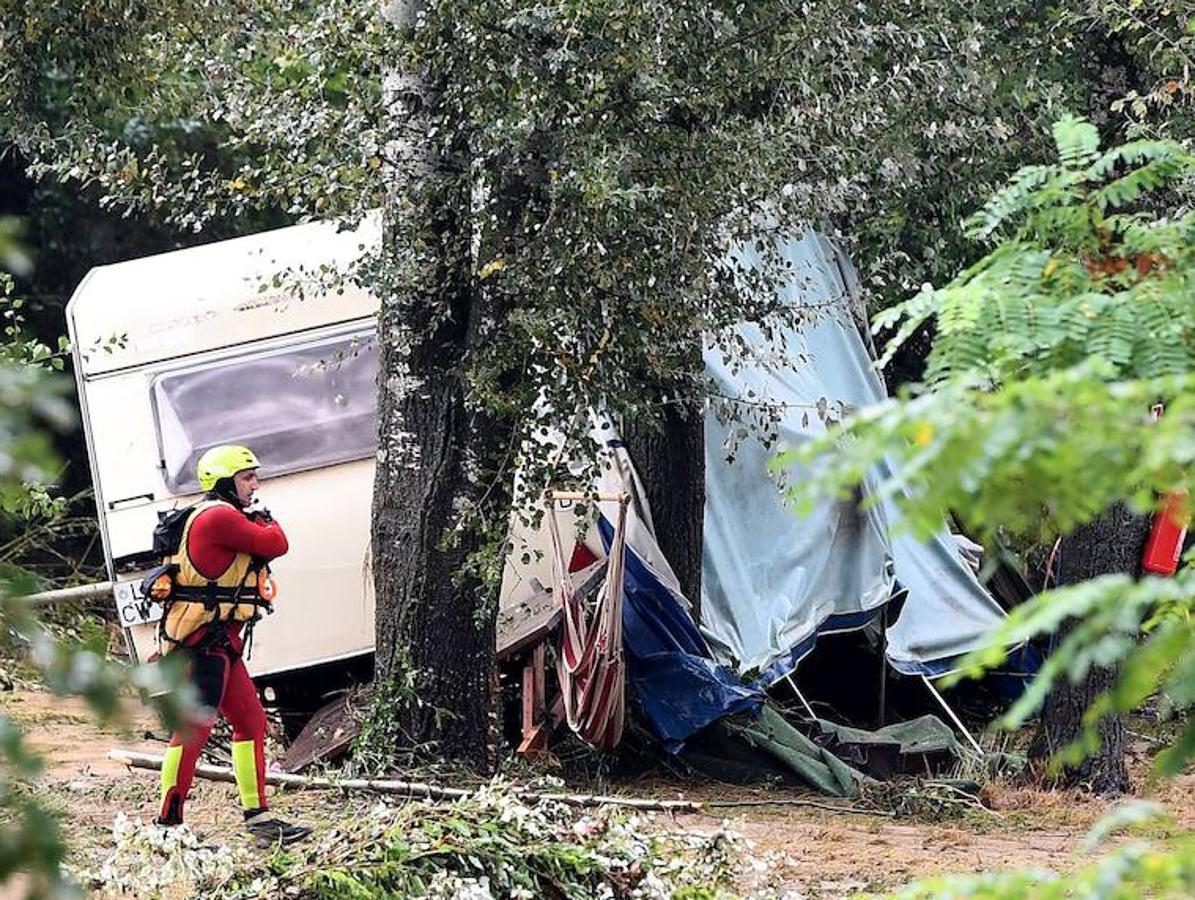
218	344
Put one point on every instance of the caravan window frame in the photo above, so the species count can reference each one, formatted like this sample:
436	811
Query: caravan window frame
177	470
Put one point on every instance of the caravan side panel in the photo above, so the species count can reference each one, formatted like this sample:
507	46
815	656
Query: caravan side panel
325	606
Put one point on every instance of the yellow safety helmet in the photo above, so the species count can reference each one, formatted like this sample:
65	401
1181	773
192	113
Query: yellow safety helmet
224	461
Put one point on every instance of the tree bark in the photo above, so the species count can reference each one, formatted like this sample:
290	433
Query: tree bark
434	619
1111	543
434	625
670	459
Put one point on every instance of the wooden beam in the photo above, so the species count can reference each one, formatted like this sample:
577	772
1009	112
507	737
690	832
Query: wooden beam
536	728
526	622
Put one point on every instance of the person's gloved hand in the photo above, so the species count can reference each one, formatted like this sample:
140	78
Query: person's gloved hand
258	513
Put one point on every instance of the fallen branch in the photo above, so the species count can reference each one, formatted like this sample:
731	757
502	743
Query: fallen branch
793	801
418	790
969	799
412	789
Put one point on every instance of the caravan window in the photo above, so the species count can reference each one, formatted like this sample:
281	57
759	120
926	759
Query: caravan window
297	408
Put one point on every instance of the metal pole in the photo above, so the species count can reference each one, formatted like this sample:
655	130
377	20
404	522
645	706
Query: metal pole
883	712
82	593
796	690
953	716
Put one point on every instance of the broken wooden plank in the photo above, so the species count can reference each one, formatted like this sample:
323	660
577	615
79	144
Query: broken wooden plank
326	736
526	622
534	746
536	731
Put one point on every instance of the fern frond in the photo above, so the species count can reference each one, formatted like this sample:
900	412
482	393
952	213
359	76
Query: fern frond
965	355
1077	141
1142	235
1113	335
1075	317
1152	356
1010	324
1133	153
1123	223
961	345
1010	201
1026	269
911	314
1149	177
1165	324
1071	222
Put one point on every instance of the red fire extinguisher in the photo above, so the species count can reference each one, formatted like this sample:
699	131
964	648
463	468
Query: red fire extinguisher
1165	545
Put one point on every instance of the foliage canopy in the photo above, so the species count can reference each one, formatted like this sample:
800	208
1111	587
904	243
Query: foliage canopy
1035	417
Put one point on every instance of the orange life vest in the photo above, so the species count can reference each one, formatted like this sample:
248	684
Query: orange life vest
236	595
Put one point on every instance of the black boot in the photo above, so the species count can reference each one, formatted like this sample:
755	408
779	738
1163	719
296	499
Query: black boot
171	813
270	831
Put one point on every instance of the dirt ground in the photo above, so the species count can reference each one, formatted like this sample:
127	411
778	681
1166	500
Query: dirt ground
816	853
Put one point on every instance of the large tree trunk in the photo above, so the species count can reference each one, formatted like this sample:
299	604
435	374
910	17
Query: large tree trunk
1112	543
434	621
671	462
434	624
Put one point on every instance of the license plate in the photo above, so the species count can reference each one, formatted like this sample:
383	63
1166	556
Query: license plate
132	607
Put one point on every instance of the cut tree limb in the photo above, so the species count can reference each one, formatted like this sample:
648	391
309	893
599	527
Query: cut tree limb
421	791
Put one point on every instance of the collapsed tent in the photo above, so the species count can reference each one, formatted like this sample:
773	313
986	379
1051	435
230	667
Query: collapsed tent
772	581
674	676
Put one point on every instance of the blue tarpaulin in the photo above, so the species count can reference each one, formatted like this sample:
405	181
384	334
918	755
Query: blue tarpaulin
676	681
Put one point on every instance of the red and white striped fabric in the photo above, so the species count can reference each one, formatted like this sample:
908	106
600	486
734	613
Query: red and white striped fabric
591	666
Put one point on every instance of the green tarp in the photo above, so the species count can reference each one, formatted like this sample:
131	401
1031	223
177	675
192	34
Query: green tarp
769	731
927	734
836	761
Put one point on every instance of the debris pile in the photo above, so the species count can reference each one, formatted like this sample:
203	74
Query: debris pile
492	844
149	861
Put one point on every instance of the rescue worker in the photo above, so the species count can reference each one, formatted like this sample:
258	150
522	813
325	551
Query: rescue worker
224	545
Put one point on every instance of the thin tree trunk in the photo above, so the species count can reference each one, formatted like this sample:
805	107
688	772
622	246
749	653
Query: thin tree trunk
1112	543
671	462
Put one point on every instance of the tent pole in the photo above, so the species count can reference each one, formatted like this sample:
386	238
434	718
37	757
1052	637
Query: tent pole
953	716
805	703
883	715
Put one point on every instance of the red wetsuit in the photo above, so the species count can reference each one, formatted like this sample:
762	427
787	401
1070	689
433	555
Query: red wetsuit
216	536
219	534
